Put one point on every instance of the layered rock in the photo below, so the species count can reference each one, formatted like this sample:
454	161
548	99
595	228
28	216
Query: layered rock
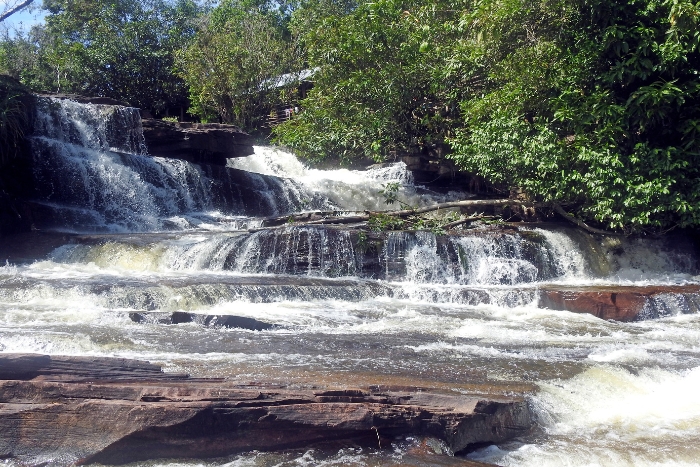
199	143
623	303
65	410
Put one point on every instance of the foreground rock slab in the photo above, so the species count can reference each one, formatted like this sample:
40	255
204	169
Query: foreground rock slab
623	303
67	410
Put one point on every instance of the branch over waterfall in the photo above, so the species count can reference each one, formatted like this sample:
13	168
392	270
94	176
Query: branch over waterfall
344	217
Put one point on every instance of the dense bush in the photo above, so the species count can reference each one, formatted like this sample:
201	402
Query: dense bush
592	104
14	119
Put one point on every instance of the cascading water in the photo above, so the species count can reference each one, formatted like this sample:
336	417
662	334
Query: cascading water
405	308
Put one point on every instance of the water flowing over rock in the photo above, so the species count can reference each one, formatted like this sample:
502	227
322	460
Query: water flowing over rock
117	186
624	303
141	262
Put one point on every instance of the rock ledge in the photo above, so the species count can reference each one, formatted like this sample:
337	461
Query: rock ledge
85	410
199	143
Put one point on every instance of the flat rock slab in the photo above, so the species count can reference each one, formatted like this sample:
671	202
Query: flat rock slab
623	303
67	410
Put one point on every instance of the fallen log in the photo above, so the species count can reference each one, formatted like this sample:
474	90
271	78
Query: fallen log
343	217
72	410
457	223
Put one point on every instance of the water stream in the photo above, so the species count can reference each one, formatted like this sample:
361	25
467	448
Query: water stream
411	308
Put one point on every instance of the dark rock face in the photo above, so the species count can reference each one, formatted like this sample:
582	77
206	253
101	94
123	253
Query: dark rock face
181	317
431	167
624	303
85	410
199	143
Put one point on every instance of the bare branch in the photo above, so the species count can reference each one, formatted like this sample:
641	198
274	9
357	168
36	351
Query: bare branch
15	9
340	217
559	210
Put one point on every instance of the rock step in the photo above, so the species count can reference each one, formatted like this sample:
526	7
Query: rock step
623	303
83	418
199	143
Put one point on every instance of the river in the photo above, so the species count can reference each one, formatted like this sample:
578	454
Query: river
147	235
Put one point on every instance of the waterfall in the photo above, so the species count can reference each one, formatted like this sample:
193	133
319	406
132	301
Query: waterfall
93	173
349	306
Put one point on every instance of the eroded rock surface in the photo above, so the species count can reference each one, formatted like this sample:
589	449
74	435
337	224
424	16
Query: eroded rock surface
624	303
64	410
199	143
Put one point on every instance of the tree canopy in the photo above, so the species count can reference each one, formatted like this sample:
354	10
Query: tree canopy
231	66
122	49
592	104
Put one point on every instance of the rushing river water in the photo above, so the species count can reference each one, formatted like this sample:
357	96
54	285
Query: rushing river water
428	311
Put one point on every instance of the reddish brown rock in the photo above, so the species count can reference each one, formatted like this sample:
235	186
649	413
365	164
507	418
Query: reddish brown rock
199	143
623	303
82	410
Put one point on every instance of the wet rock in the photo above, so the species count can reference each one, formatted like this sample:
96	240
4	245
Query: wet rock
24	367
624	303
30	246
180	317
114	411
199	143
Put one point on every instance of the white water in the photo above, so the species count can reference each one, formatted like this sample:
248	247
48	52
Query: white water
412	309
351	190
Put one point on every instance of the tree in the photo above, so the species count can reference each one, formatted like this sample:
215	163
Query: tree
123	49
591	104
233	67
375	94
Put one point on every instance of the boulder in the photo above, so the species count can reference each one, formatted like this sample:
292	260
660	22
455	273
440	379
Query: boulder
199	143
623	303
68	410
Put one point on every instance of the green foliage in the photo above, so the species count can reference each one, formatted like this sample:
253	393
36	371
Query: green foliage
390	192
380	222
374	94
597	109
231	68
123	49
595	105
13	119
22	57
